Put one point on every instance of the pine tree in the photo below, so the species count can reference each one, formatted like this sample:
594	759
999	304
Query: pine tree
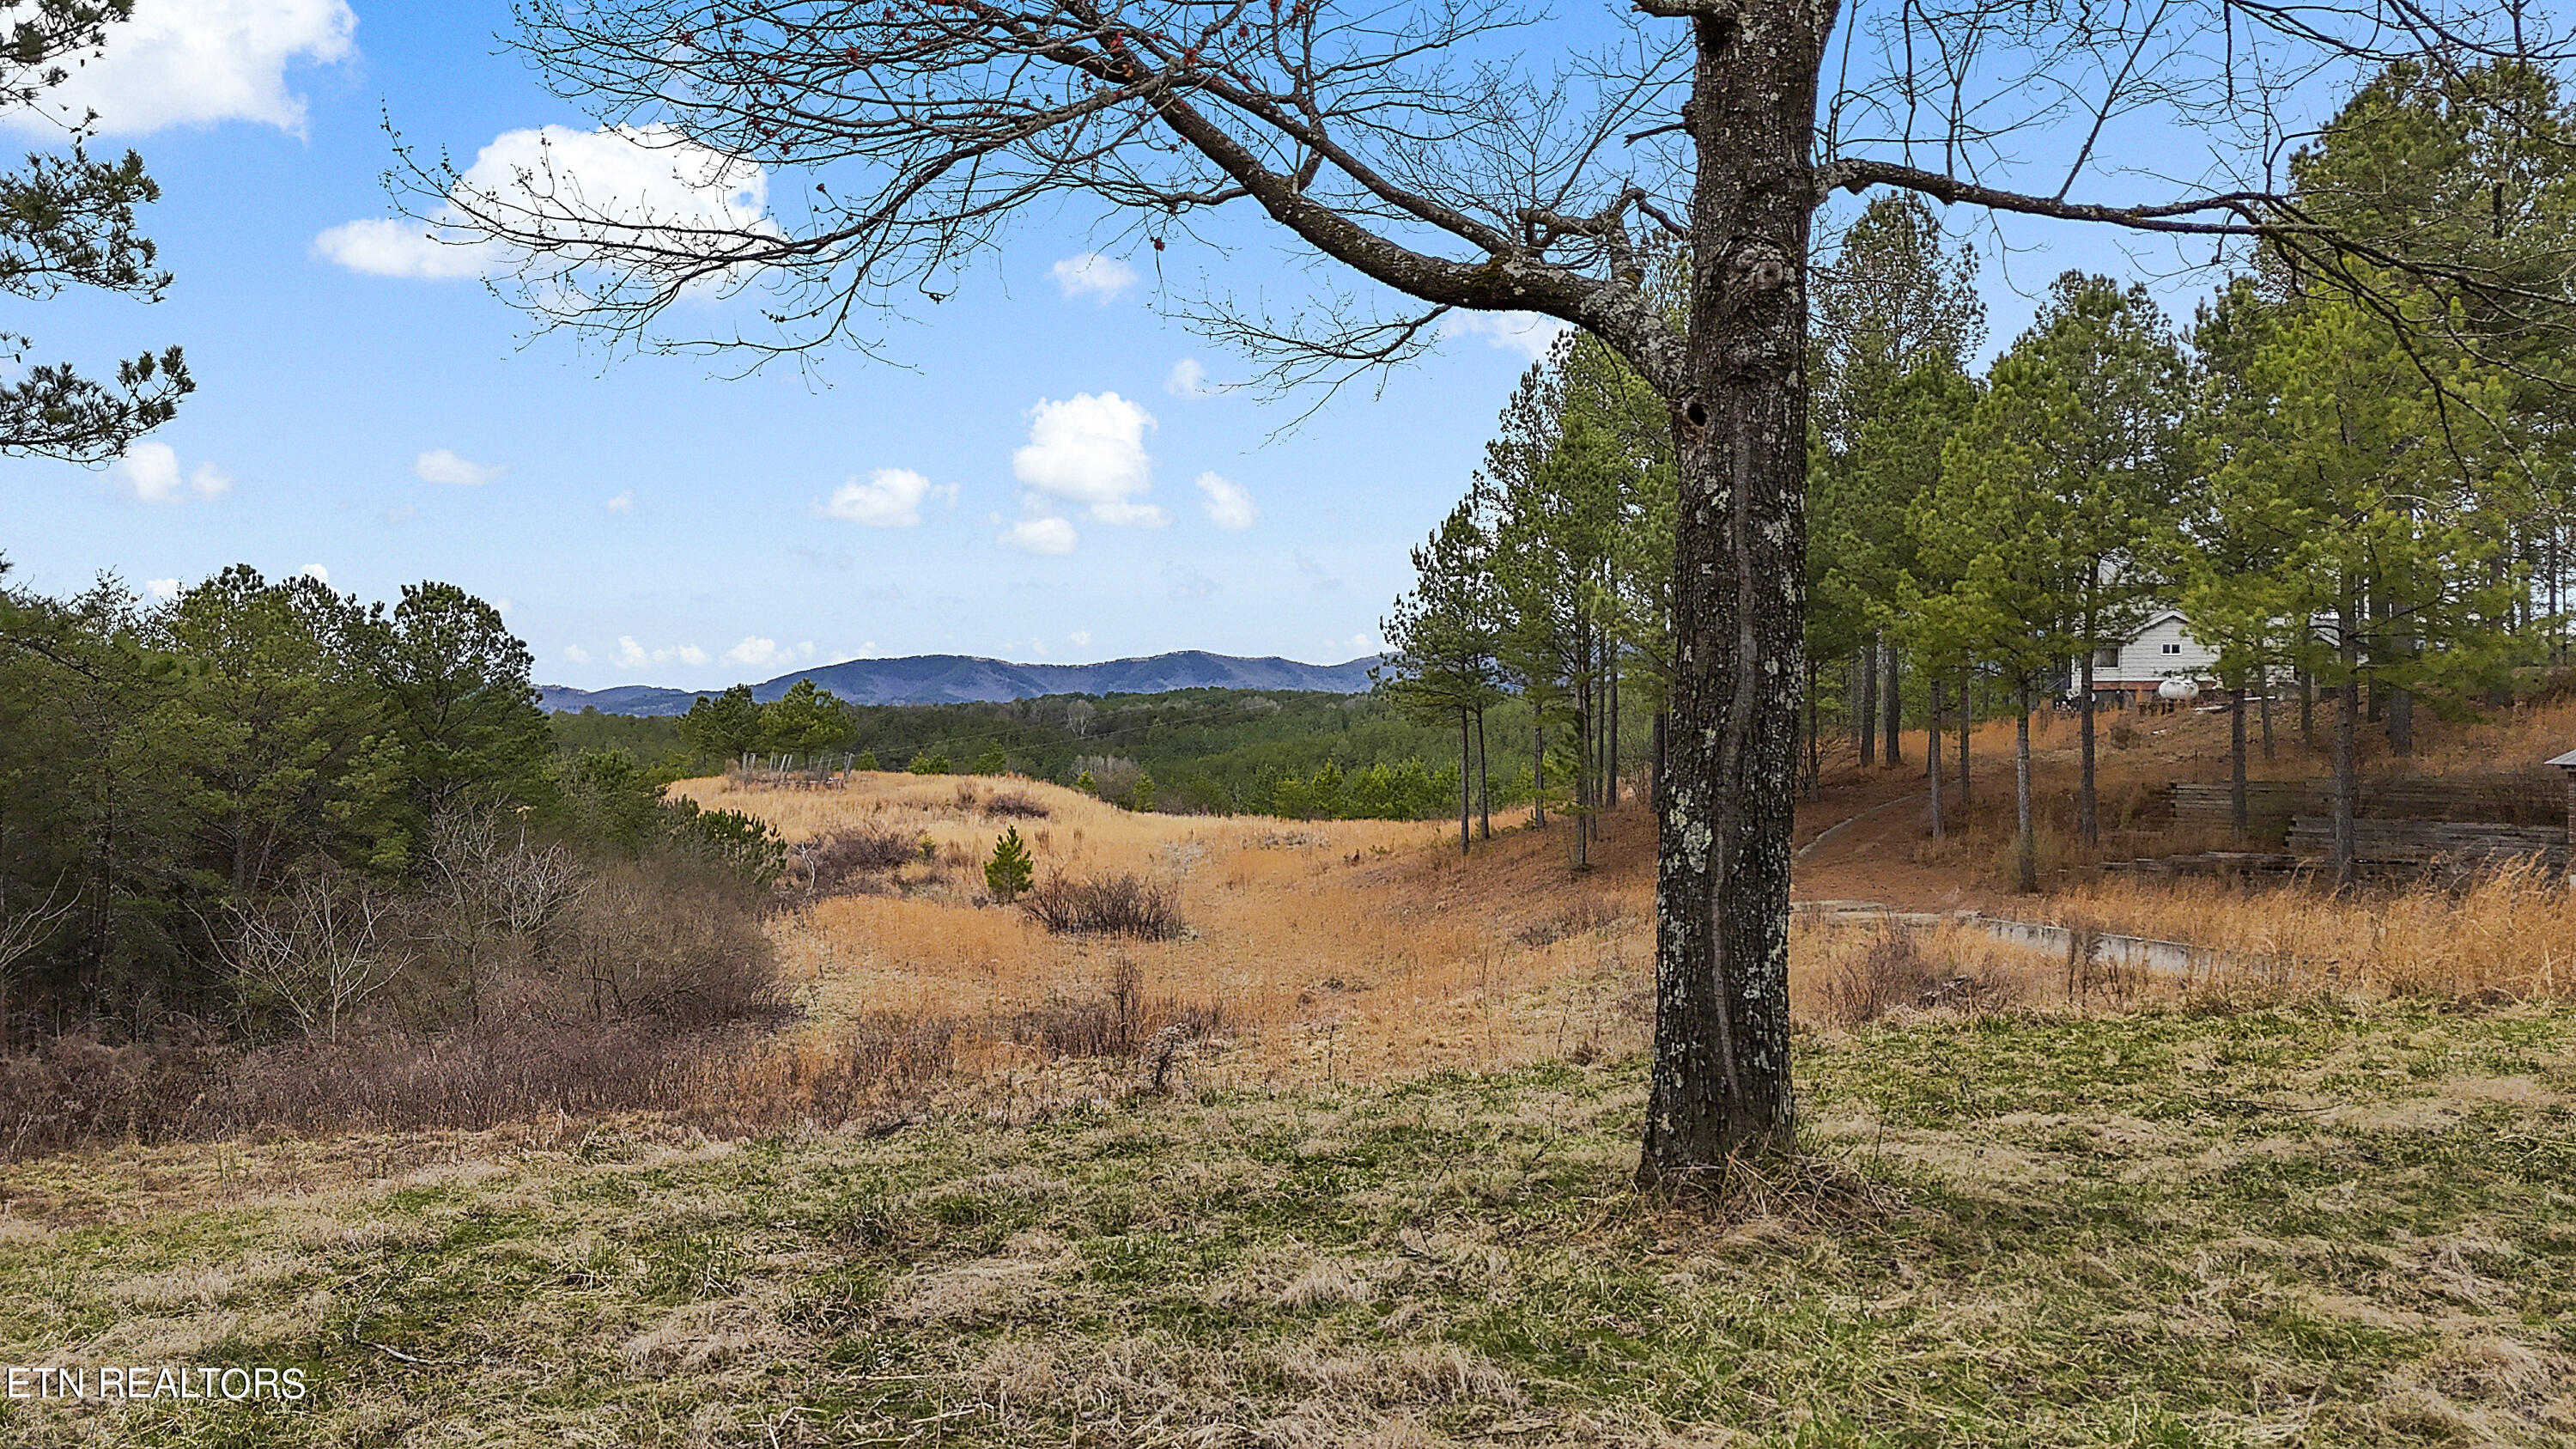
867	760
1009	872
1443	636
2373	466
991	762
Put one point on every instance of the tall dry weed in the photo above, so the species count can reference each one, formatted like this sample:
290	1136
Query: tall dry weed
2501	935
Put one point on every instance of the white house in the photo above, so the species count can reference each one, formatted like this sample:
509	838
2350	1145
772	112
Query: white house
2163	649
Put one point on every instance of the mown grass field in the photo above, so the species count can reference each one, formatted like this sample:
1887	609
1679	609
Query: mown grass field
2311	1223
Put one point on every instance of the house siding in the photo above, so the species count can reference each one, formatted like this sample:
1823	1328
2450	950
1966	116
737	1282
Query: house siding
2163	650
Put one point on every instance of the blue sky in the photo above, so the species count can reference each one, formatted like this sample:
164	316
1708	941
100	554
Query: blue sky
1038	481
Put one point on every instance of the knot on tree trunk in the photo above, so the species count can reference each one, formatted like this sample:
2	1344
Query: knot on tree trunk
1757	266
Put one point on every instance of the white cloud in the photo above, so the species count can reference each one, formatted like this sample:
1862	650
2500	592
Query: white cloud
442	466
627	182
891	498
1188	378
1091	449
633	655
163	589
1089	274
622	503
1363	642
756	651
383	247
317	573
1081	638
1042	536
576	654
1228	505
1526	332
149	473
201	62
503	607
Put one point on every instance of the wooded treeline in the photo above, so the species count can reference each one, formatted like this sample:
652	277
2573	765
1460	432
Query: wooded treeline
263	811
1299	755
2355	485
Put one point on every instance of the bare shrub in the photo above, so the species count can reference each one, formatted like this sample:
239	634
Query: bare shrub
1017	805
839	862
77	1089
672	943
318	950
1107	905
1121	1021
1894	973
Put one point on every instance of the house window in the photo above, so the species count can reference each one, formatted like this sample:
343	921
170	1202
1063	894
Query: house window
2108	658
2172	648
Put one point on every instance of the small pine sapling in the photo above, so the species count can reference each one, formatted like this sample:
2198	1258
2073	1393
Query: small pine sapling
867	760
1086	784
1009	872
1142	797
991	762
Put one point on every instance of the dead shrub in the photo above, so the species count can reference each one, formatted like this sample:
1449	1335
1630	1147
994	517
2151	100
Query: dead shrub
839	863
1121	1021
77	1089
1017	805
1895	973
1107	905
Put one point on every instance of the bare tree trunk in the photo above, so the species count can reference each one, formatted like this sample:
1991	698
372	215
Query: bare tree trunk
1720	1087
1815	781
2265	676
1484	782
1610	771
2088	813
1538	775
2401	722
1932	758
2346	768
1465	771
2236	763
1967	727
2307	710
1866	710
2026	844
1655	783
1895	731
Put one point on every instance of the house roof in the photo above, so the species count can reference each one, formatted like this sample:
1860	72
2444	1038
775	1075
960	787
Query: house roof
2566	761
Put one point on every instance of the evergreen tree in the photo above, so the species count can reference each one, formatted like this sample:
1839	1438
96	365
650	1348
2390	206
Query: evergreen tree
991	762
462	709
807	720
1009	872
2370	469
1442	639
67	220
723	729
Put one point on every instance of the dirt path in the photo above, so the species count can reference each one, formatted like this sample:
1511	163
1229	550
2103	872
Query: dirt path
1860	843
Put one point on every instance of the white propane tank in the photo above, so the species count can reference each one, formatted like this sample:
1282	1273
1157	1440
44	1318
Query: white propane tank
2180	691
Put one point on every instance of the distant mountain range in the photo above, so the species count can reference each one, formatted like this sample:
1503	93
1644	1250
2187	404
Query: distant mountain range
963	679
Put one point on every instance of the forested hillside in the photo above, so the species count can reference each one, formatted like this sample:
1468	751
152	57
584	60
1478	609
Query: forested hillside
265	811
1214	750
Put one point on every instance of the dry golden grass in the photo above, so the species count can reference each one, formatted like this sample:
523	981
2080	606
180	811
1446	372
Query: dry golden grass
1334	950
2510	935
